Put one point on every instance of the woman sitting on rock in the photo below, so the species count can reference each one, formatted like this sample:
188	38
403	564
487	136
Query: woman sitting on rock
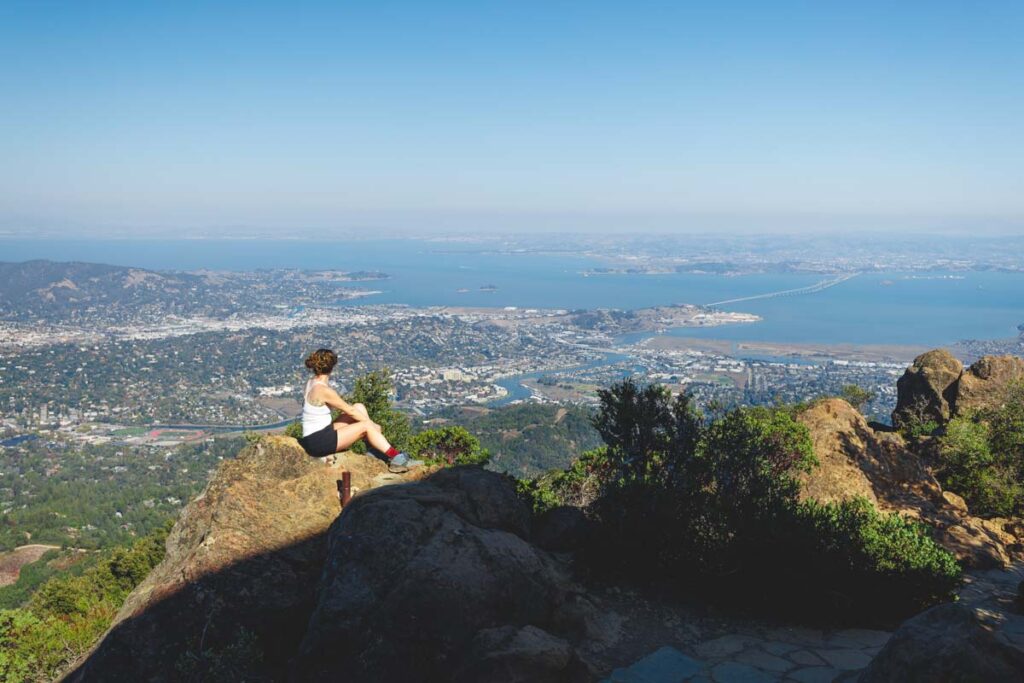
322	436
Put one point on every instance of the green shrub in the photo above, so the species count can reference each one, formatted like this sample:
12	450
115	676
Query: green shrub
649	436
917	420
914	430
577	486
447	446
67	614
856	396
18	628
374	390
710	508
294	430
1006	425
981	457
967	465
849	559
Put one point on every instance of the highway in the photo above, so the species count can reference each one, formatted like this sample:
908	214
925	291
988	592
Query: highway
809	289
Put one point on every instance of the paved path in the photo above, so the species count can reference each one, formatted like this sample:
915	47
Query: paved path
799	655
794	655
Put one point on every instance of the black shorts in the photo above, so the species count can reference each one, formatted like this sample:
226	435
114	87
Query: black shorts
321	443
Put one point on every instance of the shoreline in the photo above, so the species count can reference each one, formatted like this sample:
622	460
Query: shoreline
802	350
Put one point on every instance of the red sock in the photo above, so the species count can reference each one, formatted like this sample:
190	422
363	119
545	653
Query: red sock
391	452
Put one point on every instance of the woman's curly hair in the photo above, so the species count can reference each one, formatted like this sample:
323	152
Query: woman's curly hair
322	361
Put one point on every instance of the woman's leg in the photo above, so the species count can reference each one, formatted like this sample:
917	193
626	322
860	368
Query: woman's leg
348	434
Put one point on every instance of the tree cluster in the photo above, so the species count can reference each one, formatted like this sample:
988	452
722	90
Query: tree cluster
710	507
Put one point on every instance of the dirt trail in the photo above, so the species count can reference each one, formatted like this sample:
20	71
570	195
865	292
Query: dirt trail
12	561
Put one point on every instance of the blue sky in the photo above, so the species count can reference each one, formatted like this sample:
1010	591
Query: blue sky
160	117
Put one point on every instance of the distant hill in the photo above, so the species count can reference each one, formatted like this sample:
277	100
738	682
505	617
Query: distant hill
78	292
47	289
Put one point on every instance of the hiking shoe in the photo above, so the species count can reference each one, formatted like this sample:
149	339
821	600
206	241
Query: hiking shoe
404	462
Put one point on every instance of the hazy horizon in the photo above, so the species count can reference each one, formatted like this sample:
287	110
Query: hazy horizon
401	118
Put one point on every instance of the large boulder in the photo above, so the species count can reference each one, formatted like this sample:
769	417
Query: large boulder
855	460
926	390
235	590
438	579
858	461
937	388
979	638
985	383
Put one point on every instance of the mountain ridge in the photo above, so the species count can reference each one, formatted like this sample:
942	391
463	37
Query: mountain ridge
441	578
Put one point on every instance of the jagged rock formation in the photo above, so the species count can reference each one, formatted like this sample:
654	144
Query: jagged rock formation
936	387
240	572
979	638
856	460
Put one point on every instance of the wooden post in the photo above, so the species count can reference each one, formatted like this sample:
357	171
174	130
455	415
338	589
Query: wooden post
345	488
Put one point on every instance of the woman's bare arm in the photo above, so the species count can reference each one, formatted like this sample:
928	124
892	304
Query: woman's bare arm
330	397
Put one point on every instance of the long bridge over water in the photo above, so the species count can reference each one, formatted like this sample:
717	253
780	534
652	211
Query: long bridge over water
809	289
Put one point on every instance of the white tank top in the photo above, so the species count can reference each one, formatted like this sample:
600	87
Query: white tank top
314	418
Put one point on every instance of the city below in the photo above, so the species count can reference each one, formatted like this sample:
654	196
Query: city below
99	354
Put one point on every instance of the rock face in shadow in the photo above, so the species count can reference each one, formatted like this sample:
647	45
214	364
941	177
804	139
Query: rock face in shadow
926	390
240	573
936	387
856	460
437	580
979	638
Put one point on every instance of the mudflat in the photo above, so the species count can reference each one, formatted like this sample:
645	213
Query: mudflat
863	352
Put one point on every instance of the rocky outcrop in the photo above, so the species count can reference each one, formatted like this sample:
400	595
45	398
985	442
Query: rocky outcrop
856	460
425	580
978	638
239	576
936	387
438	580
926	390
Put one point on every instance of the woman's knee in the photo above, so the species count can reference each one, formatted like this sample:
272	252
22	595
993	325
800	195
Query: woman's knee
357	427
